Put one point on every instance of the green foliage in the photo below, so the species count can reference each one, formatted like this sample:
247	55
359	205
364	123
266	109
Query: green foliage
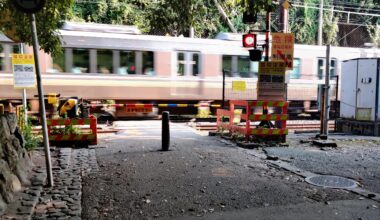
260	5
304	23
330	28
203	15
48	20
374	33
68	129
126	12
32	141
168	16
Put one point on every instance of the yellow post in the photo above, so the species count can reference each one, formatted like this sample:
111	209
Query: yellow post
20	113
203	110
10	108
53	101
1	109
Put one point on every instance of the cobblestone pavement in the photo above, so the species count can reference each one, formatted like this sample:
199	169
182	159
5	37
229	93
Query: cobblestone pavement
63	200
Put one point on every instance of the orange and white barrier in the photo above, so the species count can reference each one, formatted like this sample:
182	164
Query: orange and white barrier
91	138
247	130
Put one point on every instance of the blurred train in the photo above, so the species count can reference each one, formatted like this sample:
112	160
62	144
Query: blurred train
110	62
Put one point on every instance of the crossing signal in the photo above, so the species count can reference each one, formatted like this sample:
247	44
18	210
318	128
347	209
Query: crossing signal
255	55
249	40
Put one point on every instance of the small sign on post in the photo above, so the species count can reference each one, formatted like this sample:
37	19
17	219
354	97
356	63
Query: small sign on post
24	75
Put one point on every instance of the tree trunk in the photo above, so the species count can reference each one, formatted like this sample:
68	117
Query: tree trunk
224	16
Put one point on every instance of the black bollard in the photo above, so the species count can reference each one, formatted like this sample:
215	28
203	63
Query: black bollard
165	131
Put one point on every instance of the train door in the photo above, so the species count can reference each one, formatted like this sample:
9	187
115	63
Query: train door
187	75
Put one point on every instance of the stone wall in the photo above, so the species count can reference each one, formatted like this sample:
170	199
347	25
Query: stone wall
15	163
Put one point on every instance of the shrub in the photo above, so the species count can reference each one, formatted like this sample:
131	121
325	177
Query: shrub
32	141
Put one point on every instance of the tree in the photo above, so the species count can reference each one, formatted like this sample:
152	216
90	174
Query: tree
357	29
109	11
176	17
330	26
49	20
169	16
303	22
374	33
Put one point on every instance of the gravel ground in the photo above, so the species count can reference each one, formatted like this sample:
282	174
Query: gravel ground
356	157
198	176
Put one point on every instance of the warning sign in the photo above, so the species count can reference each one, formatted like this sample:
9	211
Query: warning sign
283	48
23	71
278	68
271	83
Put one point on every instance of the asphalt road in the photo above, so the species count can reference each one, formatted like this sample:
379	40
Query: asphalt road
202	177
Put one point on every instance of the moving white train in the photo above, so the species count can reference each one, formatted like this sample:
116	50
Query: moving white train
108	62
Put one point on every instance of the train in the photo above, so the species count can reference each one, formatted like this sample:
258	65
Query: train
113	62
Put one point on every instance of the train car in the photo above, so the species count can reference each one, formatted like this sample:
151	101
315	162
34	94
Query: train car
109	62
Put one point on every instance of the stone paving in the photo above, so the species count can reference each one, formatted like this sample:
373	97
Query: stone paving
63	200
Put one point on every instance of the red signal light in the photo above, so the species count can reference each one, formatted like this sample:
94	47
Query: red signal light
249	40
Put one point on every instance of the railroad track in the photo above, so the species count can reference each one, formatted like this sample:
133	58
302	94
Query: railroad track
303	125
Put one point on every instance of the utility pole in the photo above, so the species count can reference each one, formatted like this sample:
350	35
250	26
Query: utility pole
326	105
284	24
191	35
267	31
320	23
49	171
284	16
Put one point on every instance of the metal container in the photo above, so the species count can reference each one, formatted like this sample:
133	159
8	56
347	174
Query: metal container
360	89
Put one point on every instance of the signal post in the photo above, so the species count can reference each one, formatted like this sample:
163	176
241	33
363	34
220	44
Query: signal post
271	84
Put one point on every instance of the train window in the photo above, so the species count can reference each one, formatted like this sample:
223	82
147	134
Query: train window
104	61
227	65
244	66
195	64
181	64
1	58
148	63
333	68
321	67
296	72
127	62
254	68
59	63
240	66
187	63
81	62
